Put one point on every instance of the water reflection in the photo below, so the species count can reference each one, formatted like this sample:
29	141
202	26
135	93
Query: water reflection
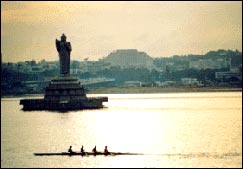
205	128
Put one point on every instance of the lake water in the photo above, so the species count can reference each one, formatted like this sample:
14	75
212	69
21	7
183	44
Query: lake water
172	130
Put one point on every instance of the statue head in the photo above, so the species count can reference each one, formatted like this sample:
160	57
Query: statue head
63	38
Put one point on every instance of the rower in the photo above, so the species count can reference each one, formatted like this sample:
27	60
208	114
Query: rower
94	150
82	149
106	152
70	150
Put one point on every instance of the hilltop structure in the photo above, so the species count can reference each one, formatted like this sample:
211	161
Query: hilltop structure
129	58
64	92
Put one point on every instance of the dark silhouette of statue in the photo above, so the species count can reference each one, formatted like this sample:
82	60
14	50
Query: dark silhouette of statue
64	49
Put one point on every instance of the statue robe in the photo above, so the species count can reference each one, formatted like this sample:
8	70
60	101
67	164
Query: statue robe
64	50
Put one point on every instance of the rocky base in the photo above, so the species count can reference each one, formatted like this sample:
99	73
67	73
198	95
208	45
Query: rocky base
42	104
64	93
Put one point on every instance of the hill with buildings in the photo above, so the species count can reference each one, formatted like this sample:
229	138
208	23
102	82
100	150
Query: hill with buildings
126	58
129	67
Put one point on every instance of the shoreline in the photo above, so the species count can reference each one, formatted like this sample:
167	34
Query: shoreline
141	90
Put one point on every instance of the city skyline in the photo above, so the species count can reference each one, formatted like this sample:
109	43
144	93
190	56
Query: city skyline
95	29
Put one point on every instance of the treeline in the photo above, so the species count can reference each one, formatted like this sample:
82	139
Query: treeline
183	60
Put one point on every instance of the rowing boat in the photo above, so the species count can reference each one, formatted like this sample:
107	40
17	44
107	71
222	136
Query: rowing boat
83	154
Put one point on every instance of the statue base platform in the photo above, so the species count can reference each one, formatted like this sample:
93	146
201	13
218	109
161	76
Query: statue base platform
64	93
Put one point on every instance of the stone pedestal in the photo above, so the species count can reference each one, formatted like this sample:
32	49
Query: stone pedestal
64	89
64	93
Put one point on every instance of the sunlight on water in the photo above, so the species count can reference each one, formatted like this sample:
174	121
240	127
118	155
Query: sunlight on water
171	130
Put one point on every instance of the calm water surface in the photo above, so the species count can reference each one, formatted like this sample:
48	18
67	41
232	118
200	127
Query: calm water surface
172	130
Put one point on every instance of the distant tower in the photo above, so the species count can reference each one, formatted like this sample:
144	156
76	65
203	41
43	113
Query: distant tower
228	62
167	69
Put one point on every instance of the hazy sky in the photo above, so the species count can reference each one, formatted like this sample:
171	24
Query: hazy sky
29	29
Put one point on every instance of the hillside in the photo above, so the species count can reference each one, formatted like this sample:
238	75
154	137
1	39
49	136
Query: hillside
129	57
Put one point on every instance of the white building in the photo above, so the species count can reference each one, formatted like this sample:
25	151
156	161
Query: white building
210	63
133	83
190	82
228	75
